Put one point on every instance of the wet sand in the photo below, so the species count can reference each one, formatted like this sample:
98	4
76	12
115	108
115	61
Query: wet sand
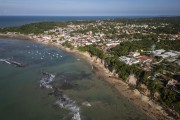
149	107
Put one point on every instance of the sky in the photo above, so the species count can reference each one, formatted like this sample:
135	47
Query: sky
90	7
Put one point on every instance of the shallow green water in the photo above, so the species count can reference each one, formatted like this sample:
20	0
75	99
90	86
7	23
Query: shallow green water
21	98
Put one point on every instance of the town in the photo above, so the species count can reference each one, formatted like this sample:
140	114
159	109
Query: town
144	48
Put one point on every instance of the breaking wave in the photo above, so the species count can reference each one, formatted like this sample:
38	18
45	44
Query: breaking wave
63	101
66	103
46	80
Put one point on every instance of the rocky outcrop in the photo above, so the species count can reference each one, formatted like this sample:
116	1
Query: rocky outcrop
132	80
156	95
145	90
137	93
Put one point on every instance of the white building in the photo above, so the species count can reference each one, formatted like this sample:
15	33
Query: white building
168	54
134	54
128	60
158	52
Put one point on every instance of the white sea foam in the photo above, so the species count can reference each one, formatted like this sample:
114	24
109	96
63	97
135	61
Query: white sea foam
10	61
66	103
86	104
46	80
63	101
5	60
76	116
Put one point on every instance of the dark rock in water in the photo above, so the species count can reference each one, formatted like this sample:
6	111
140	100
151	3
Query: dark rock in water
66	85
17	64
56	92
73	76
56	107
12	62
62	100
51	93
66	103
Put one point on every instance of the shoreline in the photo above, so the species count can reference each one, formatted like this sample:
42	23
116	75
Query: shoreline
150	108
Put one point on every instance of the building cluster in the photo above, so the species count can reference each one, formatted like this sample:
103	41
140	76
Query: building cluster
105	34
169	76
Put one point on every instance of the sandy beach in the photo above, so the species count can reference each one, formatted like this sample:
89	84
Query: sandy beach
149	107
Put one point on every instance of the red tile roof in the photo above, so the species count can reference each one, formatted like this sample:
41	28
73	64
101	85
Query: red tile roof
143	58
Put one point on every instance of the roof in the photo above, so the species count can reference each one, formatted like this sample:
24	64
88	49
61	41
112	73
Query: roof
169	54
143	58
158	52
177	62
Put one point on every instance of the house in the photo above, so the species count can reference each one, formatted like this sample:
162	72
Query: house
177	62
46	37
134	54
128	60
158	52
175	79
144	59
172	83
169	54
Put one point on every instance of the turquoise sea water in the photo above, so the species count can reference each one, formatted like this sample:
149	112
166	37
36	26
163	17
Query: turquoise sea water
21	97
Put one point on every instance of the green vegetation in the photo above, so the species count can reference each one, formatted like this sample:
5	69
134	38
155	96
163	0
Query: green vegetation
68	44
34	28
121	68
146	45
167	97
113	63
157	27
93	50
82	49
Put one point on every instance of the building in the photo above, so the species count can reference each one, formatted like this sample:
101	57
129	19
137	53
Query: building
158	52
173	82
128	60
177	62
169	54
144	59
134	54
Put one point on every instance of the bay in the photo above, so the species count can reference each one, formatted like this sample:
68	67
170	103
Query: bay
21	97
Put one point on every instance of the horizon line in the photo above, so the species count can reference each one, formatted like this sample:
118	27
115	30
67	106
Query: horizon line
92	15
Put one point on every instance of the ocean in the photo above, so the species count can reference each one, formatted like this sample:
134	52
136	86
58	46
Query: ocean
9	21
